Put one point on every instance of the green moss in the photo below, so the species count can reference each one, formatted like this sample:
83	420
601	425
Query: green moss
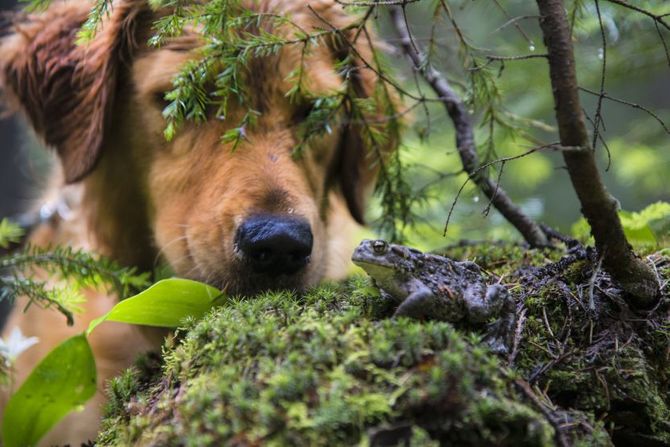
319	371
329	368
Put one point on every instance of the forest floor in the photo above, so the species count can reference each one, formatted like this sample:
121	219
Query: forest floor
331	368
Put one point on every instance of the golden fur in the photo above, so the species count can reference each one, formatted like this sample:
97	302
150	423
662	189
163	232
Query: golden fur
137	198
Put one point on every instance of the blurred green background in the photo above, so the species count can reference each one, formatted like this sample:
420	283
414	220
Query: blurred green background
638	71
519	93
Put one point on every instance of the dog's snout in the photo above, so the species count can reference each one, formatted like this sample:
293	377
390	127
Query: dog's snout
275	245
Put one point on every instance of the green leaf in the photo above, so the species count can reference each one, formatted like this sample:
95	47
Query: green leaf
637	229
646	227
66	378
165	304
63	381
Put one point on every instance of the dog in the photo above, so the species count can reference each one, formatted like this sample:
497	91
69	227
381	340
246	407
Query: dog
244	220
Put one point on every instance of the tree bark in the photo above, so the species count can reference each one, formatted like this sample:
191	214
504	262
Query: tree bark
599	207
465	138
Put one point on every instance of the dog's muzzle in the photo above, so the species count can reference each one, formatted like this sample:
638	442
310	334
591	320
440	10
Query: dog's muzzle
275	245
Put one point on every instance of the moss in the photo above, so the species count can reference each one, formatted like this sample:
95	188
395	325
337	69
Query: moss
329	368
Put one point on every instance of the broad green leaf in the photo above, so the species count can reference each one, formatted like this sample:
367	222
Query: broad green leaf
66	379
646	227
165	304
637	229
62	382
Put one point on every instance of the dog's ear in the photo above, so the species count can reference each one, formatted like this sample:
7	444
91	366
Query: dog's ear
66	89
369	133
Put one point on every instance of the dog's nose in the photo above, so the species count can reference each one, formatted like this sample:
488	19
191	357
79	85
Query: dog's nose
275	245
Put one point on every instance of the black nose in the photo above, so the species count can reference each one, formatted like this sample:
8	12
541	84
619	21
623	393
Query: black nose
275	245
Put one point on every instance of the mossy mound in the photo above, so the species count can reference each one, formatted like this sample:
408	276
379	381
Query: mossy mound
329	368
587	349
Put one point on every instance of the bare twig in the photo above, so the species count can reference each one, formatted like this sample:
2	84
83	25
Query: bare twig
514	22
663	42
631	104
658	18
525	388
516	58
375	2
598	117
518	333
592	283
465	137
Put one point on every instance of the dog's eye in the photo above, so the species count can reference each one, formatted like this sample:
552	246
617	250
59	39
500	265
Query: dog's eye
303	111
160	100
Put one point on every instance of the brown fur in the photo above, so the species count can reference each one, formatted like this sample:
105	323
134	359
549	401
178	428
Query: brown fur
137	198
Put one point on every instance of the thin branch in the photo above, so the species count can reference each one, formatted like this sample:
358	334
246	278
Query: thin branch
367	64
658	18
517	58
376	2
559	435
598	117
465	138
514	22
631	104
602	140
665	44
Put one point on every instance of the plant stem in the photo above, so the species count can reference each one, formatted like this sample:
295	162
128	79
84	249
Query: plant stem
599	207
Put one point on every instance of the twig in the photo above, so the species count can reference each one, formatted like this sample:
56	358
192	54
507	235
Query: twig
528	392
598	117
513	21
665	44
600	138
517	58
592	283
465	137
516	25
657	18
631	104
376	2
518	333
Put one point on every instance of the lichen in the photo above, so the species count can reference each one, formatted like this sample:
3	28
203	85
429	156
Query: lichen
330	368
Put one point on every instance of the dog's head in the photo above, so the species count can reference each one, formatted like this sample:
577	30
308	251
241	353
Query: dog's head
248	219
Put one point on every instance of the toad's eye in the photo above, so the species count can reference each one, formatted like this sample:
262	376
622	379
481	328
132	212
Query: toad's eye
380	247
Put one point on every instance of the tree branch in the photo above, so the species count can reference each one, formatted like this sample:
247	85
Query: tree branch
465	141
598	205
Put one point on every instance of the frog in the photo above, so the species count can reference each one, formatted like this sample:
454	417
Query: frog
428	286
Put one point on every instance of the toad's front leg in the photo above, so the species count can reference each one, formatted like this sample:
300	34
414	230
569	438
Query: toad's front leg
420	304
496	302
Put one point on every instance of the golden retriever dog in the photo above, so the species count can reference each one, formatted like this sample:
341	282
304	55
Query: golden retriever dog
245	221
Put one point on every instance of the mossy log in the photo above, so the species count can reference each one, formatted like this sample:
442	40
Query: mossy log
330	368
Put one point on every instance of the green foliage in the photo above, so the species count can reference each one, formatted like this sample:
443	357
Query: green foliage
649	227
66	378
62	382
75	269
